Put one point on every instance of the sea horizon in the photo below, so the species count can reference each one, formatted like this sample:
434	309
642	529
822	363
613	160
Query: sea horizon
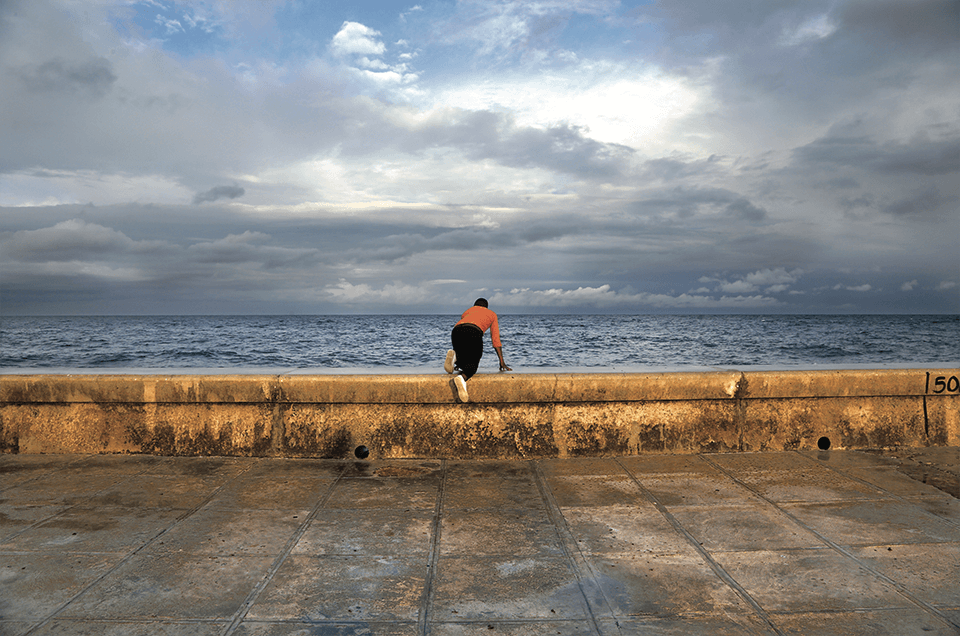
530	341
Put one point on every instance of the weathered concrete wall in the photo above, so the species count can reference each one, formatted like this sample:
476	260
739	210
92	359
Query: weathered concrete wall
510	415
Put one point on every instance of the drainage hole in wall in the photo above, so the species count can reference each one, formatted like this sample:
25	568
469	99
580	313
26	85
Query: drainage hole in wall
823	443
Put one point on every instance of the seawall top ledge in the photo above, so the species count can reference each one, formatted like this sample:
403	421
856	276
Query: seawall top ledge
436	388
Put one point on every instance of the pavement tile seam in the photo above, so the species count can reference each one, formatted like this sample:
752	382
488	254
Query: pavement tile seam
580	565
899	497
847	554
870	622
68	509
76	499
904	523
433	560
63	606
11	537
707	557
279	561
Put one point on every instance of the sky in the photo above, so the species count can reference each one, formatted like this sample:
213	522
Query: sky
553	156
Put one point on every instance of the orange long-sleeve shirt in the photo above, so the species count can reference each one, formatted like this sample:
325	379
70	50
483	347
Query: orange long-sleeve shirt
483	318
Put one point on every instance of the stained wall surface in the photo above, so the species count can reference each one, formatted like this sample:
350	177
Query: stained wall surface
508	415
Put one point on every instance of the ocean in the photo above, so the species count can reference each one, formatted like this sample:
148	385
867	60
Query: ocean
530	342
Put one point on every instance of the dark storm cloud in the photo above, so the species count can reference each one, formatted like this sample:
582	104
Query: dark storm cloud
703	28
249	248
744	209
94	77
561	148
73	239
373	243
486	135
925	25
915	157
672	169
219	192
785	65
925	203
687	202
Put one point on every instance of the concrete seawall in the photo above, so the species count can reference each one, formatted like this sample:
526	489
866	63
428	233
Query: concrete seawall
509	416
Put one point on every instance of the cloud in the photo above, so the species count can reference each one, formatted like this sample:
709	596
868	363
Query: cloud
355	43
928	202
414	9
922	25
72	240
603	297
737	287
54	270
916	157
354	38
92	77
391	294
245	249
815	28
686	202
506	27
773	276
487	135
219	192
909	285
562	148
858	288
744	209
776	280
613	102
172	26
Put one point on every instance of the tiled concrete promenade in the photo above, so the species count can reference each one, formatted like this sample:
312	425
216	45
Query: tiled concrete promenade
805	543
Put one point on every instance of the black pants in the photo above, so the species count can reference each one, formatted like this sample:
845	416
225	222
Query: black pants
467	341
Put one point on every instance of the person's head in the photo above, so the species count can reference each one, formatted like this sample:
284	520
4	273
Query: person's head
481	302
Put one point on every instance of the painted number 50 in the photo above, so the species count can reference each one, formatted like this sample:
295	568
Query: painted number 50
944	384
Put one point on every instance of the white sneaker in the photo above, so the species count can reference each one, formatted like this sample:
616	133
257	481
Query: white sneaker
461	388
450	363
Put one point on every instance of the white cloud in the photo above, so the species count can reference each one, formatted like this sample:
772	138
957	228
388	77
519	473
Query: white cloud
614	103
737	287
58	187
811	30
507	26
773	276
909	285
604	297
414	9
362	47
172	26
775	280
395	293
354	38
857	288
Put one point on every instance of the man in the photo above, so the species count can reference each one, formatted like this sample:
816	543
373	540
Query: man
467	339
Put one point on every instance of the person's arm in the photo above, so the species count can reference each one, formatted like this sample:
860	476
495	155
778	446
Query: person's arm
495	337
503	365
